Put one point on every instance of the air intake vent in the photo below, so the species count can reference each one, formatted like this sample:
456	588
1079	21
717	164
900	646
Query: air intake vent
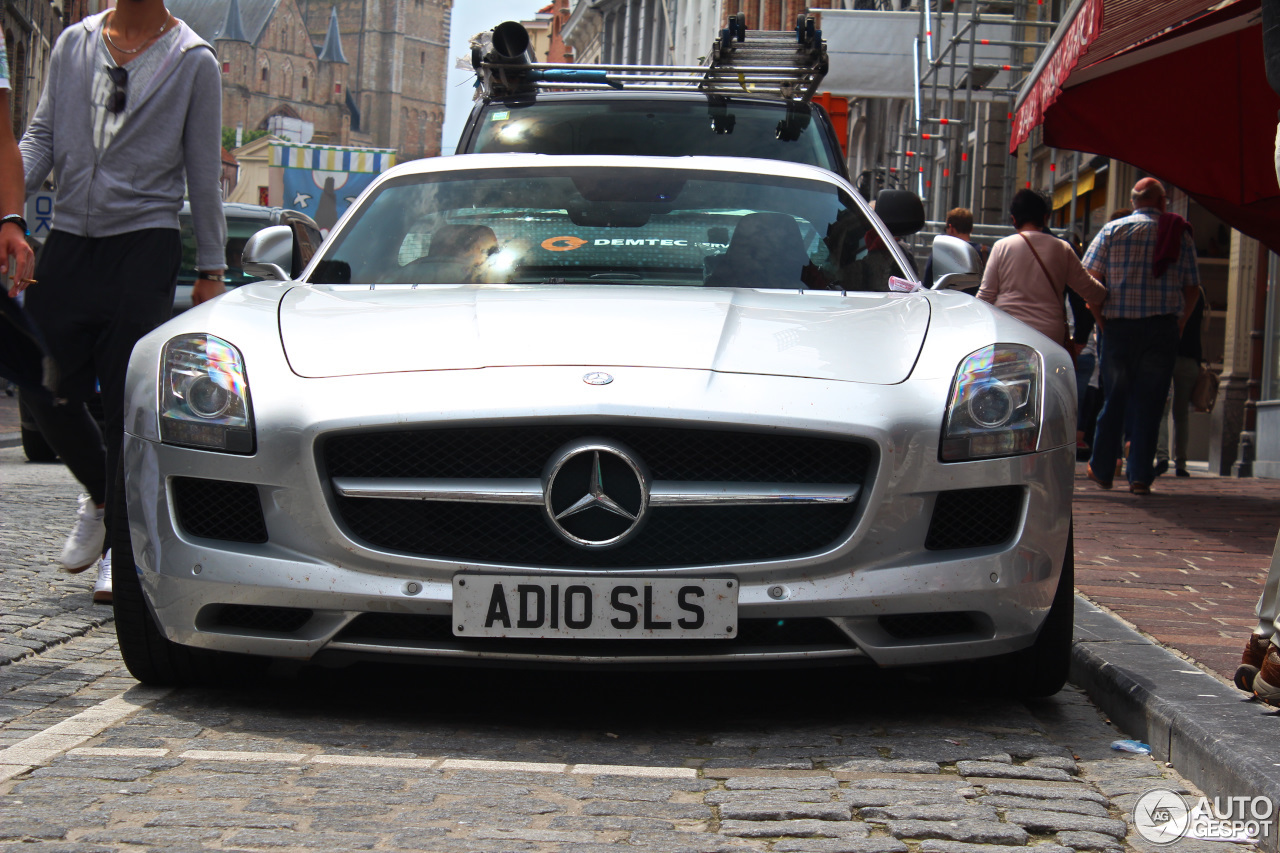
926	626
974	518
253	617
214	509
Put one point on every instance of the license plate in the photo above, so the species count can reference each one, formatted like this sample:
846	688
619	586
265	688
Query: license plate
599	608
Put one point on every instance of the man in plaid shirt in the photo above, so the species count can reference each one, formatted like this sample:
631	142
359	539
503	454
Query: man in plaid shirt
1148	262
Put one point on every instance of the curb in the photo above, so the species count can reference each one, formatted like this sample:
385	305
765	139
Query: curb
1219	740
10	439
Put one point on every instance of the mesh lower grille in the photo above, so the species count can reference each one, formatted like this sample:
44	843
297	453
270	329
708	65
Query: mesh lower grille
215	509
974	518
520	535
920	626
428	630
252	617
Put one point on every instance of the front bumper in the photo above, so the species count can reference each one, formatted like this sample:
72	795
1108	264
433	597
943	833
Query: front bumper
878	594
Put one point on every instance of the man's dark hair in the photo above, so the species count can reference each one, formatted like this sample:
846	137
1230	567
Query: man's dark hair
961	219
1028	206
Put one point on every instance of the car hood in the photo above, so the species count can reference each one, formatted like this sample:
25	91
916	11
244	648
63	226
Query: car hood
347	330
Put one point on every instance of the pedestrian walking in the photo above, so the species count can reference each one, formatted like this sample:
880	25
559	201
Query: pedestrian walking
129	120
22	355
1029	272
1186	369
1148	262
959	224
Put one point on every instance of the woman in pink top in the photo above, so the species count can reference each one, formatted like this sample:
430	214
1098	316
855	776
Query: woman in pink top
1028	273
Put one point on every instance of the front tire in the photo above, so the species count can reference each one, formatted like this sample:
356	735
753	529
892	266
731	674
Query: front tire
1041	669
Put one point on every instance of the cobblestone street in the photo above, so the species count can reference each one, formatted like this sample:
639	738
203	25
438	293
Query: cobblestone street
408	758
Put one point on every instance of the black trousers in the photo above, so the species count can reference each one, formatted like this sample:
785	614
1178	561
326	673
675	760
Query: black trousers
94	297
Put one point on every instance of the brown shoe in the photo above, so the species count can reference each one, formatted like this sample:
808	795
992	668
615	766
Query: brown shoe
1140	488
1088	472
1266	686
1251	661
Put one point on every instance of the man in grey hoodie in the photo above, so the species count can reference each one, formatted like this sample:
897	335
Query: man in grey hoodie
131	114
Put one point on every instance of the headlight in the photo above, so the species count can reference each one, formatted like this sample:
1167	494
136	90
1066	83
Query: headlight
994	409
204	398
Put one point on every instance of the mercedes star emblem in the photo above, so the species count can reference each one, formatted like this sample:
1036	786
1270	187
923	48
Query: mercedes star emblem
597	377
595	493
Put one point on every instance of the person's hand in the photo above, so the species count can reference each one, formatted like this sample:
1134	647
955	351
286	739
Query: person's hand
13	244
204	290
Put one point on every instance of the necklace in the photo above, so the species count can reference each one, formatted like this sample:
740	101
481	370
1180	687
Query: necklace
106	33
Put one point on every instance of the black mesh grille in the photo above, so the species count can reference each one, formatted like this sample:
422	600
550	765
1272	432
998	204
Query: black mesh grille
214	509
429	630
974	518
520	534
670	453
919	626
253	617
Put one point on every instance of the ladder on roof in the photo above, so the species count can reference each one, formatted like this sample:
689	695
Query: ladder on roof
786	64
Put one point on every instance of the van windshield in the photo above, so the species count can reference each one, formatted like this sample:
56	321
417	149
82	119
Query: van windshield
593	225
652	126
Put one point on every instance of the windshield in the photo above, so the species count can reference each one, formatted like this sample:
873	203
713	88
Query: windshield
609	225
668	128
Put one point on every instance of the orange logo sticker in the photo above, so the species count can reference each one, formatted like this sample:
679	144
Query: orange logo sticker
562	244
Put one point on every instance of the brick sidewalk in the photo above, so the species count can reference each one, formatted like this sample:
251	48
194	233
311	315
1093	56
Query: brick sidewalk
1184	565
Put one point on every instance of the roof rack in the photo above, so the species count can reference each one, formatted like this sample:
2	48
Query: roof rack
781	64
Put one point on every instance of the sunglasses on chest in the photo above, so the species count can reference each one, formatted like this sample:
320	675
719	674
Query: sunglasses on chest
119	93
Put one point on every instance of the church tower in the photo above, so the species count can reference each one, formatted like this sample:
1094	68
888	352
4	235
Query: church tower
398	57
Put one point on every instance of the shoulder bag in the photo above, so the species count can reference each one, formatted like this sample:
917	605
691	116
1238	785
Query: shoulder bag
1060	298
1205	392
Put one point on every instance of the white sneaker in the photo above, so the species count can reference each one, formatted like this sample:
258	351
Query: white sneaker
84	545
102	589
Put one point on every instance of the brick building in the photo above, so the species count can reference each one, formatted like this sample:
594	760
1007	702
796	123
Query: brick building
30	29
273	76
399	54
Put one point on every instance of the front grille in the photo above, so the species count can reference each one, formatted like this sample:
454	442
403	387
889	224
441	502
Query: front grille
255	617
215	509
520	535
974	518
924	626
374	628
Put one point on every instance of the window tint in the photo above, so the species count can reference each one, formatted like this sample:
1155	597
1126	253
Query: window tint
605	226
651	126
239	230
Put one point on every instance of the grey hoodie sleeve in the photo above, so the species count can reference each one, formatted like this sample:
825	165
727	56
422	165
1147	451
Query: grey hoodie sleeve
202	159
36	144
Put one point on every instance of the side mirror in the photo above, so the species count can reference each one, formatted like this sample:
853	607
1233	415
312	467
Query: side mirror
269	253
956	264
901	211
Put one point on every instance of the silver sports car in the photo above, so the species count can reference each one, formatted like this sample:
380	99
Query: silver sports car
609	411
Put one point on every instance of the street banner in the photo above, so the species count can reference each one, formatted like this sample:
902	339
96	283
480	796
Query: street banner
322	181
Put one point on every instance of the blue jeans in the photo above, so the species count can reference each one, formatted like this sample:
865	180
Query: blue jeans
1084	371
1137	366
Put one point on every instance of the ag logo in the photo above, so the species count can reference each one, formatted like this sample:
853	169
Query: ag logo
562	244
1161	816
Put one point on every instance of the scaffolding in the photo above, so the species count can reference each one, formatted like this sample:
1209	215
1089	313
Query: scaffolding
972	57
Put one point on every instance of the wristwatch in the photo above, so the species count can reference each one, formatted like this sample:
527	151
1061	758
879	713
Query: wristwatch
209	276
16	219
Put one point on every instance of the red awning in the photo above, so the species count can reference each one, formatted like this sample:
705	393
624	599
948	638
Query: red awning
1093	32
1189	104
